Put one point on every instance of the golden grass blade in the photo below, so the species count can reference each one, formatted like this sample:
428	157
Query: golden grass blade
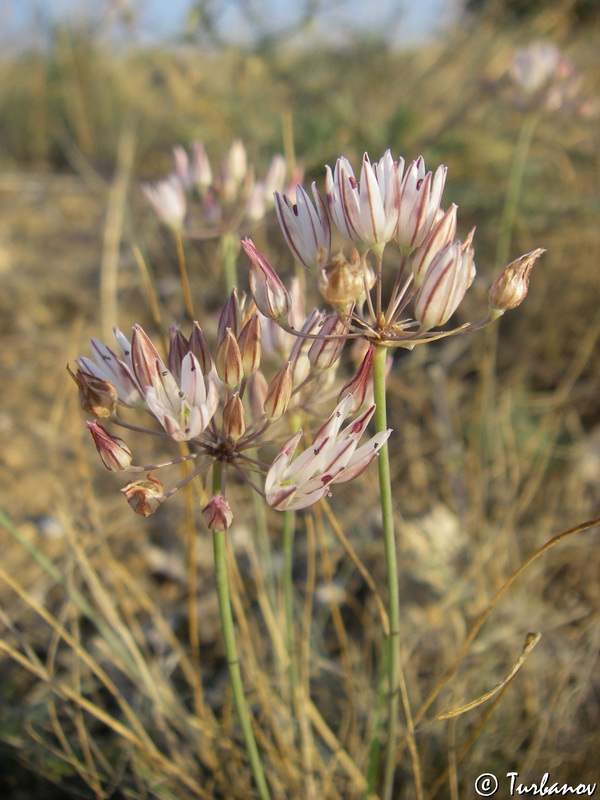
530	642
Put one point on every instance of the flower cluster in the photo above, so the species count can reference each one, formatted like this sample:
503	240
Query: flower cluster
209	202
544	78
390	203
273	365
222	408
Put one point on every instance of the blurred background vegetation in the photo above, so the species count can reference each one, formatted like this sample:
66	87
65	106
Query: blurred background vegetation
498	441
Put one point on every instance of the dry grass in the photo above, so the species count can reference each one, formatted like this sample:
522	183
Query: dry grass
109	688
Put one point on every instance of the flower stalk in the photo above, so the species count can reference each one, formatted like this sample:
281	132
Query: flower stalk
389	540
228	631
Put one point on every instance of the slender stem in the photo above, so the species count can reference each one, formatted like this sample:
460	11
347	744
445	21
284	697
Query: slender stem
289	519
185	283
230	246
513	189
389	539
228	631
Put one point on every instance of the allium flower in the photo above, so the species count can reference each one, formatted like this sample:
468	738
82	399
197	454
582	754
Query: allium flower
145	495
113	451
167	198
217	513
305	226
332	458
184	407
445	283
545	78
118	371
441	234
433	269
510	287
270	295
365	211
97	396
420	200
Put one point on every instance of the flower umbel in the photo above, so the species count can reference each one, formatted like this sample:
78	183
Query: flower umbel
332	458
433	269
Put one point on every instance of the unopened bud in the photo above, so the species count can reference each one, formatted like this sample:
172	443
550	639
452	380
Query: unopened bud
178	349
234	417
113	451
217	513
97	397
229	360
279	393
326	350
449	276
257	392
270	295
342	282
199	347
145	495
249	344
441	235
230	316
510	287
147	363
359	383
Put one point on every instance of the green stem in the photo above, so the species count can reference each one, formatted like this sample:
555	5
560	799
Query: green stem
513	189
389	539
228	631
185	281
230	245
289	519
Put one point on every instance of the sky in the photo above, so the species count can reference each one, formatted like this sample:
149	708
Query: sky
402	21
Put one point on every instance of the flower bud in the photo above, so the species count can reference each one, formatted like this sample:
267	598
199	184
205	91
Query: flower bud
444	286
145	495
326	350
147	363
201	172
279	393
342	282
359	383
113	451
234	417
97	397
229	360
257	392
178	349
510	287
249	344
199	347
270	295
442	234
217	513
167	198
230	316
